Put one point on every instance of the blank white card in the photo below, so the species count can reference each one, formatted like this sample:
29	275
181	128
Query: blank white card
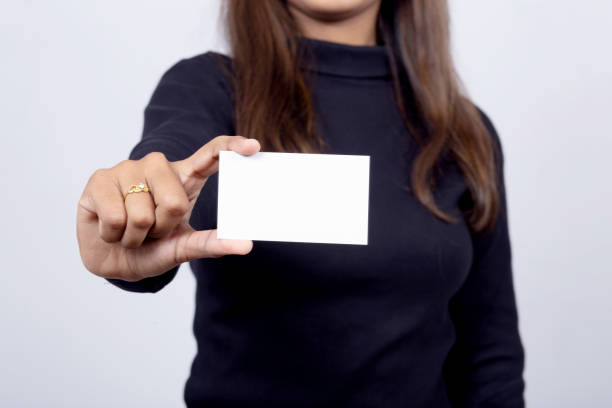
294	197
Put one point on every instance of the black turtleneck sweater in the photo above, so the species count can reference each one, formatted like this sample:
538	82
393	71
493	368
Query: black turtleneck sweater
423	316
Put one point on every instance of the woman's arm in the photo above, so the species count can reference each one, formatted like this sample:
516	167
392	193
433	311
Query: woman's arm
485	367
189	107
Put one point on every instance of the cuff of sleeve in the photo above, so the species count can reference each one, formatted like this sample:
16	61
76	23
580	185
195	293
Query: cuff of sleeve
147	285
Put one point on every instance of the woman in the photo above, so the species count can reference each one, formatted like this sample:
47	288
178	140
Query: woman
423	316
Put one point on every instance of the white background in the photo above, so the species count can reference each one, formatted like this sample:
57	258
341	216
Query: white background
74	79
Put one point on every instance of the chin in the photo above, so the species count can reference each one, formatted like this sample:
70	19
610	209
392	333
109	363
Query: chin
331	9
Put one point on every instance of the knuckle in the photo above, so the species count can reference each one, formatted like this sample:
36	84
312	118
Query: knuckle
98	175
99	172
142	221
114	221
124	164
155	157
234	139
84	201
175	206
222	141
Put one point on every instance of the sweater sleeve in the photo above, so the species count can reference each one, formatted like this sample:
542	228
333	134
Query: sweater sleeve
485	366
190	106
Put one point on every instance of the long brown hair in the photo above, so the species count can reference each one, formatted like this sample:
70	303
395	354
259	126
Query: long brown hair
273	103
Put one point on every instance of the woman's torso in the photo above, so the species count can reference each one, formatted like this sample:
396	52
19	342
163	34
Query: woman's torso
303	324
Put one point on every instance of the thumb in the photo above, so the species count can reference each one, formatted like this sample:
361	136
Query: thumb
184	245
205	244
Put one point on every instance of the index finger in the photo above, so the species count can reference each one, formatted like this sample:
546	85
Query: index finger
205	161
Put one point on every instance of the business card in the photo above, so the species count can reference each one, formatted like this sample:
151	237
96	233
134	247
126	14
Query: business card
294	197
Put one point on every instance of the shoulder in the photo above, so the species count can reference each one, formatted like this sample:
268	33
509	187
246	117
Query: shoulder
193	90
492	131
206	70
498	152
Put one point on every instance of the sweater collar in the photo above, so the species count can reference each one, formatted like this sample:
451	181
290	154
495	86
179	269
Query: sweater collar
343	59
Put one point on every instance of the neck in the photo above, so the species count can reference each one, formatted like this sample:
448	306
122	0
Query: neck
356	28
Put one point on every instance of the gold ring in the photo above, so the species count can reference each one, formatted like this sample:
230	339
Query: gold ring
137	188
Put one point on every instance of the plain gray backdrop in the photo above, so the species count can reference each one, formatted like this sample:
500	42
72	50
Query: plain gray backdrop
74	79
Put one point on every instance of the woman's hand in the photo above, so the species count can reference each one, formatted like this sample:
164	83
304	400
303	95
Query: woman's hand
149	233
